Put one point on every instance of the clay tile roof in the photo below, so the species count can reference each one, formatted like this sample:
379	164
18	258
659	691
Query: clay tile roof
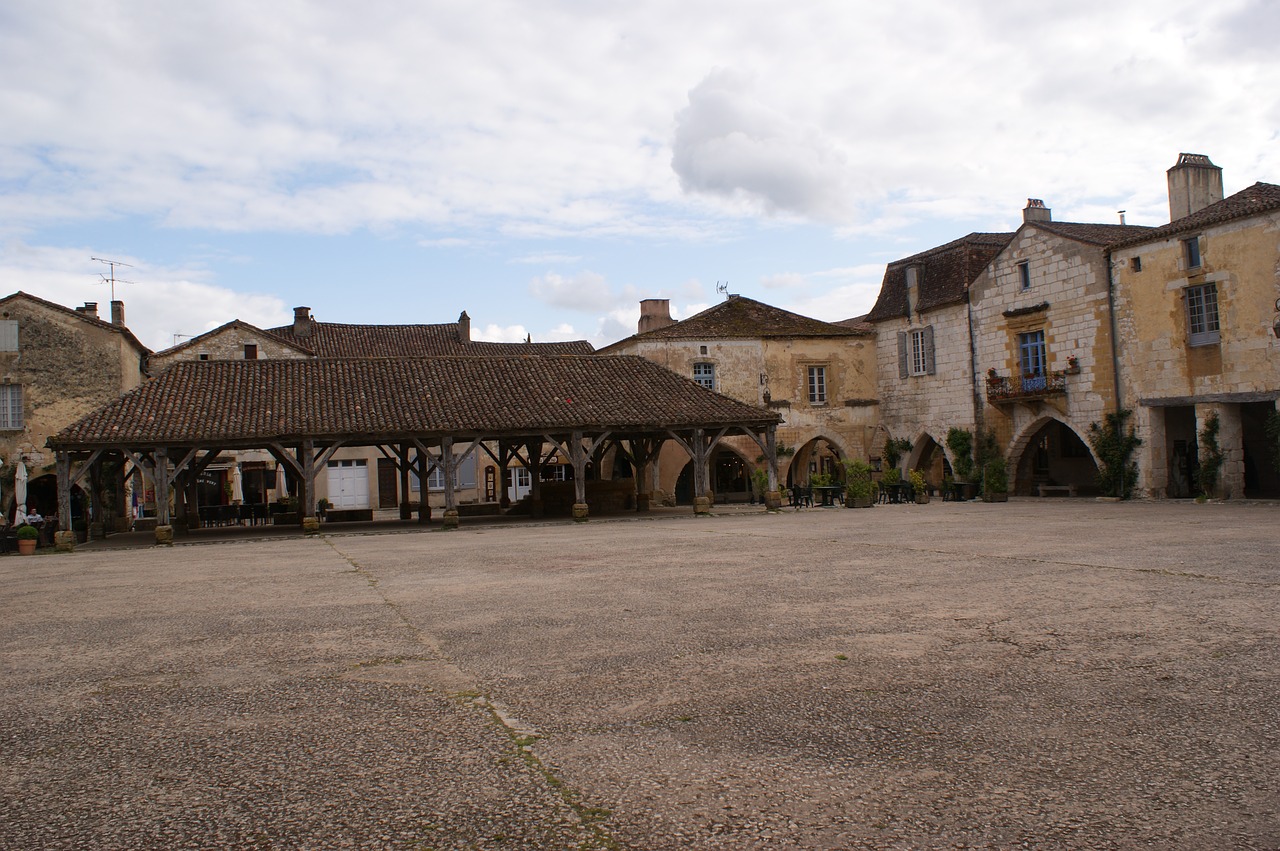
945	273
1095	234
332	340
244	403
740	317
1258	198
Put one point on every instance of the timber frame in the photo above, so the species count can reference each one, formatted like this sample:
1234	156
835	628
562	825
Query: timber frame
427	414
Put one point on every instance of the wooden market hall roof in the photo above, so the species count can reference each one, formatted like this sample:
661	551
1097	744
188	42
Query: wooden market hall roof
249	403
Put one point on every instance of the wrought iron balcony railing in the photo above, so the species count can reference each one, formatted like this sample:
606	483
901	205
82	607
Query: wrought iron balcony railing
1002	388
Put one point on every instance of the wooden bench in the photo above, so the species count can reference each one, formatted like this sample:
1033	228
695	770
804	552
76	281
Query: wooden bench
1069	490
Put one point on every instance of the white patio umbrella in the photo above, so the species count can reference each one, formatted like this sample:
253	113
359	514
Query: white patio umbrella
237	489
282	488
20	488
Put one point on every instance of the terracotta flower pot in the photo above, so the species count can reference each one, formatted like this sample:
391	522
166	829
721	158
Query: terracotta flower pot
26	546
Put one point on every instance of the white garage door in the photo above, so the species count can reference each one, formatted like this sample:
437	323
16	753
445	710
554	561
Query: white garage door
349	484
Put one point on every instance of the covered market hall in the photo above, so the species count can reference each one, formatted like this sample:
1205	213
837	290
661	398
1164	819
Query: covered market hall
423	414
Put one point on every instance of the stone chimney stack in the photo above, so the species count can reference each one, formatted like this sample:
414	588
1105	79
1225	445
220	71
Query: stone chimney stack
654	313
117	312
302	322
1036	211
464	327
90	309
1194	183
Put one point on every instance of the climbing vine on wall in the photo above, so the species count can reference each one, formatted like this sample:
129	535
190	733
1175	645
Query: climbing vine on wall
1114	442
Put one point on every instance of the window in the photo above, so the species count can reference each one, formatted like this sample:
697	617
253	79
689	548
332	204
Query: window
817	385
1136	264
1024	275
702	350
250	351
705	374
1202	315
8	335
11	407
464	474
203	356
1191	250
1031	354
915	352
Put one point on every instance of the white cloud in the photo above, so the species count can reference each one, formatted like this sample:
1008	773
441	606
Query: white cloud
160	304
585	291
502	334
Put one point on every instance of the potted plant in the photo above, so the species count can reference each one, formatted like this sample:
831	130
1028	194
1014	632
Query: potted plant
920	487
960	442
27	536
322	506
858	486
995	481
759	485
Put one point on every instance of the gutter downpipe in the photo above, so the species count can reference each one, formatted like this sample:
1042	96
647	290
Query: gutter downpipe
1115	330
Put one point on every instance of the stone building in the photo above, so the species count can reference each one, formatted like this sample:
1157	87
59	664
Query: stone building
1041	325
57	364
924	349
1197	306
819	376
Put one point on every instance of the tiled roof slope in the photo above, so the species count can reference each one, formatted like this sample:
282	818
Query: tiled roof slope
93	320
1094	234
249	402
1258	198
332	340
739	317
944	277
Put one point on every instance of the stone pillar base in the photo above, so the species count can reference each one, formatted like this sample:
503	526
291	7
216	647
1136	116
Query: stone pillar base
311	525
64	542
97	531
773	501
424	515
164	535
535	508
642	502
450	520
122	524
702	505
406	511
580	512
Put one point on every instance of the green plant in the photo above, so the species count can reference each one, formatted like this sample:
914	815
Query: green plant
894	448
323	504
960	442
891	476
917	480
1113	444
1210	456
760	481
820	480
27	532
857	480
995	476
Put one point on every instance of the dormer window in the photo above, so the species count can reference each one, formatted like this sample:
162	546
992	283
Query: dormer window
913	287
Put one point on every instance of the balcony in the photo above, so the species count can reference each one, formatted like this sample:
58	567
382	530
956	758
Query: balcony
1003	389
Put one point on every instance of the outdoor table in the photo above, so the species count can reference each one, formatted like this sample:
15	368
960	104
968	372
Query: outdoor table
829	494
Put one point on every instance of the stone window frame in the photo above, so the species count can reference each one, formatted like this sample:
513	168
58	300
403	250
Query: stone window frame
708	378
1203	316
816	383
11	408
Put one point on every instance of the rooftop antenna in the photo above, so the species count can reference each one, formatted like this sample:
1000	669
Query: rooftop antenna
177	335
723	289
112	279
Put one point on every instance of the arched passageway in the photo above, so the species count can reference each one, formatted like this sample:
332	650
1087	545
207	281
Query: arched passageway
1054	456
817	456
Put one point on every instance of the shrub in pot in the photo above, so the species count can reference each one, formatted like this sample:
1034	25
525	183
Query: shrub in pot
857	484
995	481
27	536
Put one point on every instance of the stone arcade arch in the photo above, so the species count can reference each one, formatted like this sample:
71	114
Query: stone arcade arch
819	454
422	413
1048	451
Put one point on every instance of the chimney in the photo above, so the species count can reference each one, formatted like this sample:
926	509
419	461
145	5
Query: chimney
117	313
464	327
1036	211
1194	183
90	309
654	313
302	322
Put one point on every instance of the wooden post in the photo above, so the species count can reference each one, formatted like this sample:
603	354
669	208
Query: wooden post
406	507
773	497
578	458
423	462
701	500
164	532
447	464
535	478
307	460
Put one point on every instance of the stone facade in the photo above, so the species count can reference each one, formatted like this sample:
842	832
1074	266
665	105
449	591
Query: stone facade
235	340
1198	312
56	365
766	356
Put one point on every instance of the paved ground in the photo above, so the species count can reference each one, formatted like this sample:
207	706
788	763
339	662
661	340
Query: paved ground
1056	674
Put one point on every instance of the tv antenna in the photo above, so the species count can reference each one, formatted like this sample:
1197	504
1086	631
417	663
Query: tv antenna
723	289
112	279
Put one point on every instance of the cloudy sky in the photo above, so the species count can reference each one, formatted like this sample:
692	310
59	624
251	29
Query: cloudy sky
544	166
